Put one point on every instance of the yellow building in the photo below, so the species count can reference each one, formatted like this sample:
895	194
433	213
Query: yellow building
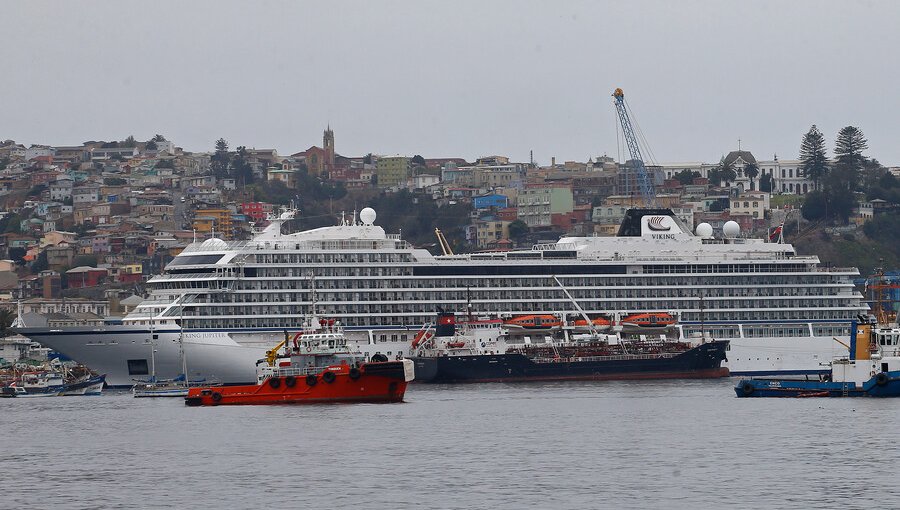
488	231
392	171
219	220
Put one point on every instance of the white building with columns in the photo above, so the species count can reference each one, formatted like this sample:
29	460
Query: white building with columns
786	173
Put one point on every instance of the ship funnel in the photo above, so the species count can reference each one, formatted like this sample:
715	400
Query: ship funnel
446	324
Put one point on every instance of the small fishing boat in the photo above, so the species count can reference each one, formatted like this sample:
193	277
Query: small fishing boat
316	366
13	391
177	387
87	384
871	370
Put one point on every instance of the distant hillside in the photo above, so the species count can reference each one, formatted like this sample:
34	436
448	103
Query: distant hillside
848	249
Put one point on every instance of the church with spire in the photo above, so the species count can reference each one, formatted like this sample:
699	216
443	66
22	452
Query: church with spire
320	161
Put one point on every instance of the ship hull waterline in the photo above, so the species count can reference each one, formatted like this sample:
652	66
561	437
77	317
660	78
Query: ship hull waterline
229	356
701	362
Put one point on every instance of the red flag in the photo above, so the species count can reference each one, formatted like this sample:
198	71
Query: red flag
775	233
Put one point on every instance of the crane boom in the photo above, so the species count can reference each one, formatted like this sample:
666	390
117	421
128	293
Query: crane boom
645	186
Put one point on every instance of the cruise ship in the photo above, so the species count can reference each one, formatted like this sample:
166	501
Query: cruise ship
225	303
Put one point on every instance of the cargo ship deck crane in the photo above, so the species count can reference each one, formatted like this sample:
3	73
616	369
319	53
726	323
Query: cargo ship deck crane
644	184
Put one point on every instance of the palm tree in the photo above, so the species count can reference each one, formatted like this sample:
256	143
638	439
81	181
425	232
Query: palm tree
725	171
751	170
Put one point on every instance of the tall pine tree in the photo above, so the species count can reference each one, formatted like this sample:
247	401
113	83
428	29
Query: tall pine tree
813	160
848	158
220	159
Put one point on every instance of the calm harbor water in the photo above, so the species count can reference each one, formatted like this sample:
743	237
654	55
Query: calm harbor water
671	444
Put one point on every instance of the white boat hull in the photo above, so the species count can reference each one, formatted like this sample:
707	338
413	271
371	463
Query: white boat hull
230	357
226	357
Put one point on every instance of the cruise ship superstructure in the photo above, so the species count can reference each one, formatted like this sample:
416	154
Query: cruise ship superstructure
781	312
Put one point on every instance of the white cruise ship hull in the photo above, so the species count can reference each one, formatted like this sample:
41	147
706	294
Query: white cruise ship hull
123	353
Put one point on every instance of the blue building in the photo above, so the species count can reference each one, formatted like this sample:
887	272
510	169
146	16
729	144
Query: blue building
492	200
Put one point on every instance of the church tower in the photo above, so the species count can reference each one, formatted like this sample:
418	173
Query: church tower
328	145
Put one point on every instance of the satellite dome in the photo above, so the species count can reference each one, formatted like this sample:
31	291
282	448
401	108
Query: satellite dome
367	216
731	229
214	243
704	230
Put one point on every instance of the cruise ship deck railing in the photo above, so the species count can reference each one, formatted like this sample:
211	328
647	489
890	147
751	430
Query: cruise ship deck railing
318	244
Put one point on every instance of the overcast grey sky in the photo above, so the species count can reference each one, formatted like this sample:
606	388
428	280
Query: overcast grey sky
453	78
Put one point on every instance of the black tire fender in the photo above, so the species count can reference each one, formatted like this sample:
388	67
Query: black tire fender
311	380
747	388
881	379
274	382
354	373
328	377
216	396
290	381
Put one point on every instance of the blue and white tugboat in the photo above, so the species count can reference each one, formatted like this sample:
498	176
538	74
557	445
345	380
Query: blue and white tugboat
871	370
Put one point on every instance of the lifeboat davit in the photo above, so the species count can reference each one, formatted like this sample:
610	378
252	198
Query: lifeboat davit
650	321
384	381
534	322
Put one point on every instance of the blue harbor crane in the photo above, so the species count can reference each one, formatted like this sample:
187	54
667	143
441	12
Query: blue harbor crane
644	184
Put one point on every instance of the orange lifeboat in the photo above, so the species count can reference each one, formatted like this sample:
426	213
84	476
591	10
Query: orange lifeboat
649	320
534	322
598	323
384	381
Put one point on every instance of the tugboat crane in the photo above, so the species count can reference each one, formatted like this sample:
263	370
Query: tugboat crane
645	186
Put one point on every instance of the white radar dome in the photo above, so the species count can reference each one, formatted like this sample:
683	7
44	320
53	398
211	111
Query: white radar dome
704	230
367	215
214	243
731	229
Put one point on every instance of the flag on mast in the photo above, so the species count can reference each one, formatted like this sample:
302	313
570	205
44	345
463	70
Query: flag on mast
778	233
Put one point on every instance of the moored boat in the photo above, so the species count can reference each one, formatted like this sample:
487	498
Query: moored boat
87	384
316	366
871	370
452	357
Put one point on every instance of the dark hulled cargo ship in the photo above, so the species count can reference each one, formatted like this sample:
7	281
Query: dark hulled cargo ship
448	357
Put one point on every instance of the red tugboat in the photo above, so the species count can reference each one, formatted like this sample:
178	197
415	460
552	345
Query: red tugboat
316	366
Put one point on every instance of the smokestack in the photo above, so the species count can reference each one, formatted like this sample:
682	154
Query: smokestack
446	324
